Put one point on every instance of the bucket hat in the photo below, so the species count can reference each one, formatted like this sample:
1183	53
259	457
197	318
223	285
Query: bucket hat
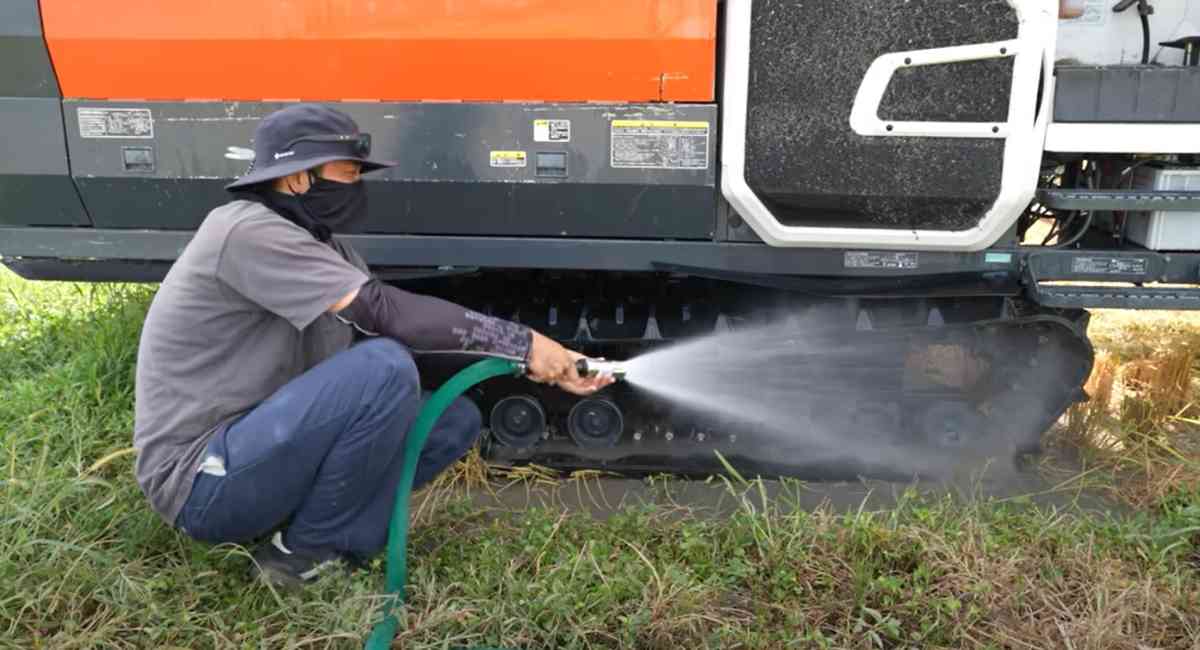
303	136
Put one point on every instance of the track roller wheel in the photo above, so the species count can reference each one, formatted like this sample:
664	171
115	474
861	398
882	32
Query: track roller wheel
518	421
595	423
951	425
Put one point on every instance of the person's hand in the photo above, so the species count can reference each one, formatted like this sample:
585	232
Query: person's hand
583	385
551	363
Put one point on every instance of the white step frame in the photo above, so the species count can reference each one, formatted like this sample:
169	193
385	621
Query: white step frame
1033	55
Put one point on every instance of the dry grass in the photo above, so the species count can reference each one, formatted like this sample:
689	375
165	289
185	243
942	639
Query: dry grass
474	474
1141	427
1091	417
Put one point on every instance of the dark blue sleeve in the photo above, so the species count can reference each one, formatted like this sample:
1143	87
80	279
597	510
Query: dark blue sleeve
428	324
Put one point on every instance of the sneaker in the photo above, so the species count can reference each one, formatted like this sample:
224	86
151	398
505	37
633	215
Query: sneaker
290	568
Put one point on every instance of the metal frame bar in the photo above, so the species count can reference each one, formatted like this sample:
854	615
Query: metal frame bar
1122	138
82	244
453	252
1119	199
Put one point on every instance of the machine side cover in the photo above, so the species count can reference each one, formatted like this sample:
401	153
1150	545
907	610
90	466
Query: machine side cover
803	159
470	50
35	180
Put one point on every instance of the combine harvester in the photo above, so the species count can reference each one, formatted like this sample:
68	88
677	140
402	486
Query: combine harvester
942	186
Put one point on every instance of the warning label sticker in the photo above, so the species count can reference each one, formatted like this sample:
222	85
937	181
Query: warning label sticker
880	260
1109	265
115	123
1095	12
659	144
508	158
552	130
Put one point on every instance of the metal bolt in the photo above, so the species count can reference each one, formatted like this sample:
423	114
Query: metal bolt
732	438
700	437
669	436
637	435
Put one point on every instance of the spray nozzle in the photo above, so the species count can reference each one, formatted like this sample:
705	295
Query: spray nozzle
600	367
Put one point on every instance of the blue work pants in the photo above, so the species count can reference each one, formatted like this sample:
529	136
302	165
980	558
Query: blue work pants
323	454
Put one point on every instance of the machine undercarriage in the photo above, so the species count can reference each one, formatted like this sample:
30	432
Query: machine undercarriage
910	228
854	386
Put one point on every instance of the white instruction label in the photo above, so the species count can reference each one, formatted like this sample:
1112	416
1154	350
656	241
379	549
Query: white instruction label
659	144
880	260
1110	265
552	130
115	123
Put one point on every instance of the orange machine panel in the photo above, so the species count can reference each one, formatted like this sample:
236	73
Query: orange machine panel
470	50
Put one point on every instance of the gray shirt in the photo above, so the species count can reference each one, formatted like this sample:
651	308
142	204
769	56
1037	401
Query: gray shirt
241	313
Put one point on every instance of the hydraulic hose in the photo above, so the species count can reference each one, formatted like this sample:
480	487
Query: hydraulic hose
1144	10
397	545
1145	38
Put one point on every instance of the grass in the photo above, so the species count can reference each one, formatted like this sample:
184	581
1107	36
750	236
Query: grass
1138	432
85	564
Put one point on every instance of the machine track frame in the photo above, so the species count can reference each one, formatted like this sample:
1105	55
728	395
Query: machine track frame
877	387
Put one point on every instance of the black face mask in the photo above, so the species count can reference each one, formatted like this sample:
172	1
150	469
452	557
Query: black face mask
340	207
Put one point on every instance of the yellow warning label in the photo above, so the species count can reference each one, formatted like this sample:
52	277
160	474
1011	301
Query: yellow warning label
659	124
508	158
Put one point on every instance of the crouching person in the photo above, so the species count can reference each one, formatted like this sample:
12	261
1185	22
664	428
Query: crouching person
257	416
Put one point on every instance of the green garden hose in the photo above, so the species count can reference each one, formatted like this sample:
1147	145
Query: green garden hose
397	546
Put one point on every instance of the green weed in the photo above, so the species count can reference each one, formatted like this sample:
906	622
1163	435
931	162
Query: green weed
84	563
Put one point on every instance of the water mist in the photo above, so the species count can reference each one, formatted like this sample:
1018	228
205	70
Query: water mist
792	396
